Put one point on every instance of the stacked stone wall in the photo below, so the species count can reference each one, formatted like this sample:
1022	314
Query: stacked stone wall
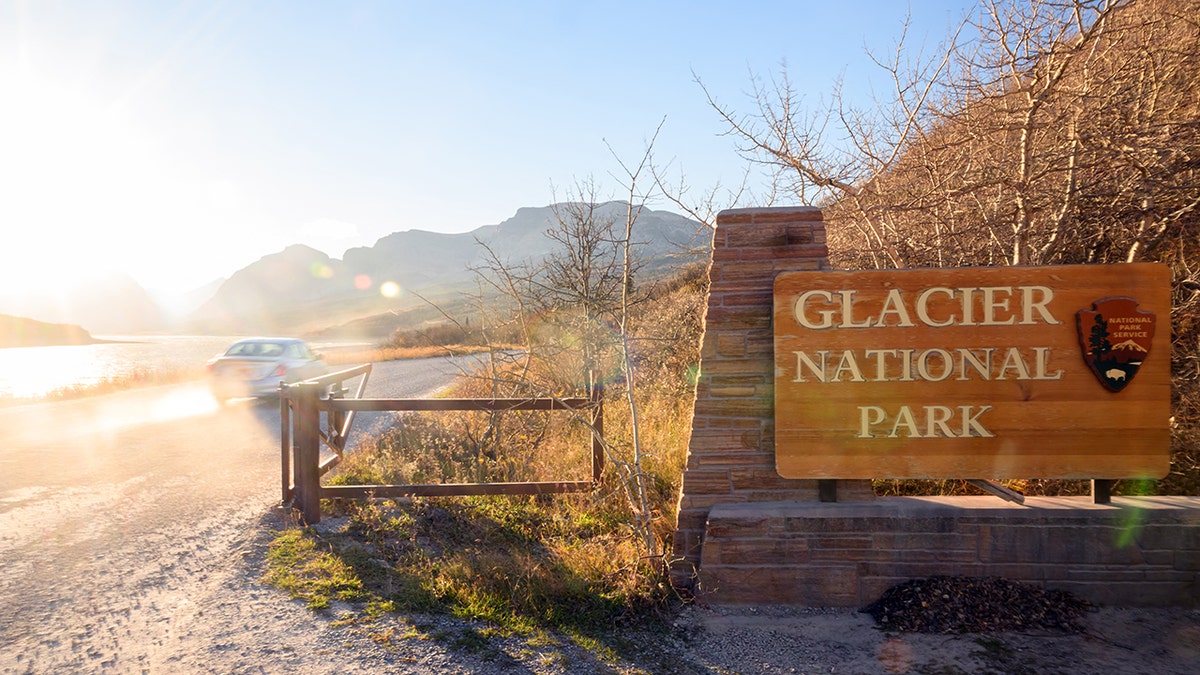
731	455
1135	552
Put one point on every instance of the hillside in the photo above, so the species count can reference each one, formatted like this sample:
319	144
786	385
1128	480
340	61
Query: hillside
1083	147
17	331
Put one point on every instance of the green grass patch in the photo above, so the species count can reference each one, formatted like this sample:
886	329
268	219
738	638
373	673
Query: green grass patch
298	564
508	566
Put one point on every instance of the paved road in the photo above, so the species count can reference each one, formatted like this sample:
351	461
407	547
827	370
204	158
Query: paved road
118	512
416	378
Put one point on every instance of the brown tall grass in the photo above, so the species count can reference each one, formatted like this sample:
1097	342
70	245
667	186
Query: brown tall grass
573	562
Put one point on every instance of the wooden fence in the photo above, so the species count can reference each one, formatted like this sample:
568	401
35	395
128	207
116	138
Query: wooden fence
301	406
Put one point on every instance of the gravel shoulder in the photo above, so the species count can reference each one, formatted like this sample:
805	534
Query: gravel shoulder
207	610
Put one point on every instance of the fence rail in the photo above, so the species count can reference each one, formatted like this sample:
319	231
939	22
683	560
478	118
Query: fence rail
302	404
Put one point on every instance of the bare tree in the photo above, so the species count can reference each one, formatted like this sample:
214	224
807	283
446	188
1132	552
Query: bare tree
987	151
573	307
583	280
635	470
809	161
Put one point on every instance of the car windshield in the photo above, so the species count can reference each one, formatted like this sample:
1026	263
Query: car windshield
255	348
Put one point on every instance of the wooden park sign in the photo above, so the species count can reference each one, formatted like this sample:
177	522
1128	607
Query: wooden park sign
1010	372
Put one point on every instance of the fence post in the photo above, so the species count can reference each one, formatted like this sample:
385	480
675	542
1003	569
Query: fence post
597	433
308	456
285	442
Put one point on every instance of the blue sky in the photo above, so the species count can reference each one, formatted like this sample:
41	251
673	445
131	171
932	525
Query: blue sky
181	141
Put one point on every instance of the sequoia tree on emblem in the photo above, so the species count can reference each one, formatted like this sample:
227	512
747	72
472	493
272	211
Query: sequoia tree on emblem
1115	337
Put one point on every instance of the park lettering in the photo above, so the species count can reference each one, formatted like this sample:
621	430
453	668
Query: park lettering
824	309
936	307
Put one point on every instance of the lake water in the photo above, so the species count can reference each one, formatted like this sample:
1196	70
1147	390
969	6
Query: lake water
29	372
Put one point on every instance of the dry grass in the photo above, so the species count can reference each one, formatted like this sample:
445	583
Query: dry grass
570	564
141	377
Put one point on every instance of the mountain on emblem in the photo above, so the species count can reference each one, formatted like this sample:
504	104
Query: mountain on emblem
1115	337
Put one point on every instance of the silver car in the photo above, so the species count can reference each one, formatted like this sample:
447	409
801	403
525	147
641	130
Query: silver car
256	366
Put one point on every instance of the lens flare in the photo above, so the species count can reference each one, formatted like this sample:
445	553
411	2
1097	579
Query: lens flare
389	289
577	338
137	407
362	282
1130	527
320	270
895	656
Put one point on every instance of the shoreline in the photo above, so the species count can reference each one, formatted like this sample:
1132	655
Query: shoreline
336	357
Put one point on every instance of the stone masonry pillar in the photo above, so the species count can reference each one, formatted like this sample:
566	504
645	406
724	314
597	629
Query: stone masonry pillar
731	455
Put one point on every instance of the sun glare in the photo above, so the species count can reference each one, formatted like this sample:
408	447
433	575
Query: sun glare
114	414
73	170
31	371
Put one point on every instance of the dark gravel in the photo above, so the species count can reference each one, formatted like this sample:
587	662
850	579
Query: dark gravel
975	605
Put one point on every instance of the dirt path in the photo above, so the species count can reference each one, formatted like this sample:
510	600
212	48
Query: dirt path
132	534
115	513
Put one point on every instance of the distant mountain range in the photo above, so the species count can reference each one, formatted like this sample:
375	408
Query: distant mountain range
303	291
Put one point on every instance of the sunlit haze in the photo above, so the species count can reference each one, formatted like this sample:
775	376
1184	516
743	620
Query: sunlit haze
179	142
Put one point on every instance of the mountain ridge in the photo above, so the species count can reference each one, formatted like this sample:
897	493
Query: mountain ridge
302	290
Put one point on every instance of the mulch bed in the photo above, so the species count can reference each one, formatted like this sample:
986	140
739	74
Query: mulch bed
975	605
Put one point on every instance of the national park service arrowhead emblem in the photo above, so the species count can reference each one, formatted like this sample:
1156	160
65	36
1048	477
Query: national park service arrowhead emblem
1115	337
